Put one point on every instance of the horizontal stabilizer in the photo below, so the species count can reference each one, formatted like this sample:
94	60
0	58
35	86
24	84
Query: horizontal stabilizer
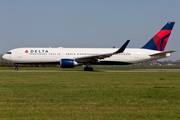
163	53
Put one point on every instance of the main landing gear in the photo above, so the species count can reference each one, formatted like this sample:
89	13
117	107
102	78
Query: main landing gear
88	68
16	66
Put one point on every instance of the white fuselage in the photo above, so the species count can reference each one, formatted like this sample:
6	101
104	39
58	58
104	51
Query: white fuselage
54	55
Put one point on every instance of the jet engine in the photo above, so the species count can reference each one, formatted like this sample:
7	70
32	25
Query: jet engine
69	63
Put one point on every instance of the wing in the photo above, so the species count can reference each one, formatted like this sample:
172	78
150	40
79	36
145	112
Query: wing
95	58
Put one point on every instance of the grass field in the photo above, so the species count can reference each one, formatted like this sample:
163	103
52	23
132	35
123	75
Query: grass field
90	95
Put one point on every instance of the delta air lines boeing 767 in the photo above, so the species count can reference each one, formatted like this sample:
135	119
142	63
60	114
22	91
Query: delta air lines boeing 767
72	57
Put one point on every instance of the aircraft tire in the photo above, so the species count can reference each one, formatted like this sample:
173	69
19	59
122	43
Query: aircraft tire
86	69
90	69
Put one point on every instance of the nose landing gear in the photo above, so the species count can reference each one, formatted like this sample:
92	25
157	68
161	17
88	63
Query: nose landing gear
16	66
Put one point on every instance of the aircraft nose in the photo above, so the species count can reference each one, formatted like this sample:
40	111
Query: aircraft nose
4	57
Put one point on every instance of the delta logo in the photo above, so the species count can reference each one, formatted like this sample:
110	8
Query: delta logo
36	51
26	51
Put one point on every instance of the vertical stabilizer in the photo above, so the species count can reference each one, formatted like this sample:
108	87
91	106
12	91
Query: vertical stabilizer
159	41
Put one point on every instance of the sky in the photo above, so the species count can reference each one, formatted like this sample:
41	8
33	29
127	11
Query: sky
86	23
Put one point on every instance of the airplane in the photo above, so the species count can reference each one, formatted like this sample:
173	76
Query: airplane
72	57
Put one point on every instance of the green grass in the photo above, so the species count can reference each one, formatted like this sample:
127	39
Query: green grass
89	95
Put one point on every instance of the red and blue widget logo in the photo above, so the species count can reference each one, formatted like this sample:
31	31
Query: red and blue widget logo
159	41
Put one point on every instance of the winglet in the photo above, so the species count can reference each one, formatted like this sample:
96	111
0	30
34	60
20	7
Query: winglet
121	49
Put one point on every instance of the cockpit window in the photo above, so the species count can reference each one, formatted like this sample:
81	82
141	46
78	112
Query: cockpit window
8	53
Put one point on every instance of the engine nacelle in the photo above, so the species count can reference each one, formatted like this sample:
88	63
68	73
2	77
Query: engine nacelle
68	63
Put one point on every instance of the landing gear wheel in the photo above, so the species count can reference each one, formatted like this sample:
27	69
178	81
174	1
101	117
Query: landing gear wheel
16	68
88	69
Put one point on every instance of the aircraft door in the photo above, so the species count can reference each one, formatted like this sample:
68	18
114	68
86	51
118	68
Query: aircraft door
136	55
19	54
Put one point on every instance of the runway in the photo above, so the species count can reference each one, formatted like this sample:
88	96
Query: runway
136	70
